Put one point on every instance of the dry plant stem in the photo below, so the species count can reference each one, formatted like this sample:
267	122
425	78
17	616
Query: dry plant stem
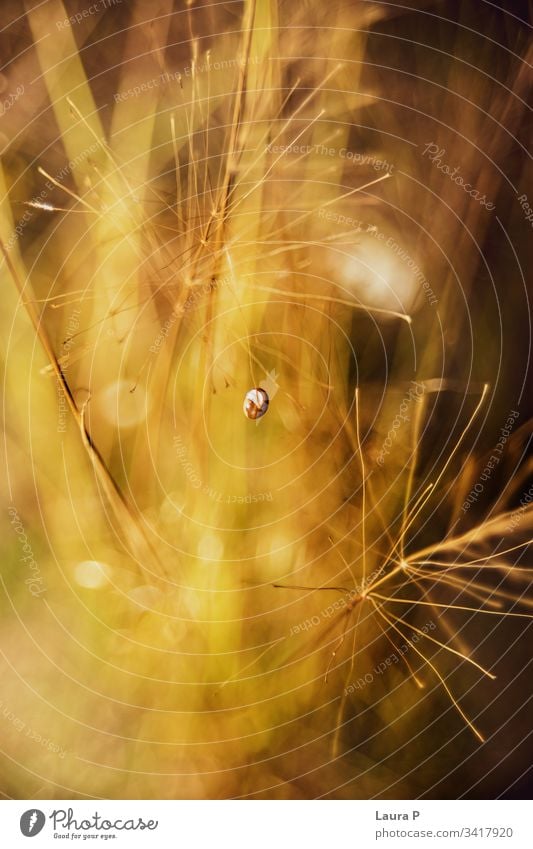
438	642
455	583
279	134
312	297
134	534
454	701
335	743
453	637
415	678
411	601
462	541
408	519
355	600
222	211
412	467
363	483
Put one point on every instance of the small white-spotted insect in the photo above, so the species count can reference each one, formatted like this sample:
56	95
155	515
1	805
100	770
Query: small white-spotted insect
255	403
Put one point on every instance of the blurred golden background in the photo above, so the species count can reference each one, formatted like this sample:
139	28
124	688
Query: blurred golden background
328	202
